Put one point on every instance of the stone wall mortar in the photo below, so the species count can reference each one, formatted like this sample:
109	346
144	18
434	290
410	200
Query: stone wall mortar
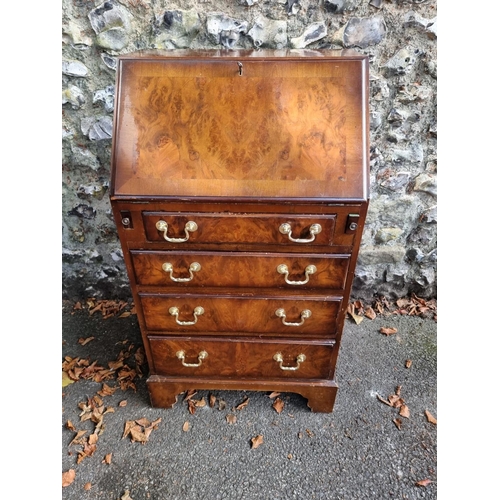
398	254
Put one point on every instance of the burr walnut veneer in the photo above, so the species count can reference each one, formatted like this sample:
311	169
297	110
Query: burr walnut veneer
239	188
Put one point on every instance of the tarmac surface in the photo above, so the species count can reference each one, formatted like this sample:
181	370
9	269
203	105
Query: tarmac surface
364	449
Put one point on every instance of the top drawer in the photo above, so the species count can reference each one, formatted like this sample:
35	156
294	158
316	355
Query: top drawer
223	228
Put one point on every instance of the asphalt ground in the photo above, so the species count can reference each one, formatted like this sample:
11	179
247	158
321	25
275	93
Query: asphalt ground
364	449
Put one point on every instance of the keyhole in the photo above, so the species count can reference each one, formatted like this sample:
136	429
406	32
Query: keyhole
240	66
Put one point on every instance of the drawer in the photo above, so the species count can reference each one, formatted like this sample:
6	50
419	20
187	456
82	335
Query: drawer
281	229
209	314
245	358
226	269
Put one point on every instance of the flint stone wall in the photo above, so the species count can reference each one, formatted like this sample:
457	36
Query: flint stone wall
398	254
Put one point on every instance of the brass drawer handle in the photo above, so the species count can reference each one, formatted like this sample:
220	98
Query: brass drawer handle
201	356
306	313
190	227
198	311
299	359
283	269
169	268
314	229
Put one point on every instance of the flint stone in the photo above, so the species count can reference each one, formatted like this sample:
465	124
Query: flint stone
398	212
415	154
414	255
268	33
73	95
180	28
107	97
396	182
97	129
74	68
111	23
387	234
363	32
429	215
109	61
371	255
225	30
339	6
291	6
313	33
426	183
83	211
81	157
401	63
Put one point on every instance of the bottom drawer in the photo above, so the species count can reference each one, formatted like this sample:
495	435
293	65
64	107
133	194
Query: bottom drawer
244	358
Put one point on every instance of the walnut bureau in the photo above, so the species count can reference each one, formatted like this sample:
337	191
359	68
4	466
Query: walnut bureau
239	186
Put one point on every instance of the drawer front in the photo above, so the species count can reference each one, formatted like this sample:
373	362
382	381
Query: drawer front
224	269
216	357
208	314
304	230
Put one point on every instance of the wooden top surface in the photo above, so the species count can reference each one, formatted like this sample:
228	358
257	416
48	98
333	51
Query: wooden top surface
253	125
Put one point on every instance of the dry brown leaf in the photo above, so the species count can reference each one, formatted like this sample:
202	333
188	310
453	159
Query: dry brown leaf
126	496
107	459
231	419
191	407
278	405
186	426
274	394
423	482
87	486
257	441
404	411
190	394
128	425
388	330
383	400
222	404
370	313
93	438
356	317
126	314
77	439
200	403
107	390
408	363
244	404
68	477
309	433
83	341
211	401
122	403
70	426
398	390
430	418
398	422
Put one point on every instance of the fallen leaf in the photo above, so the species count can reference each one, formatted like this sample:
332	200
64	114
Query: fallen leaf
222	404
244	404
190	394
191	407
356	317
107	390
68	477
66	380
83	341
423	482
398	390
370	313
186	426
200	403
231	419
289	456
278	405
107	459
404	411
70	426
87	486
430	418
398	422
274	394
408	363
77	439
383	400
389	331
126	314
126	496
122	403
309	433
212	400
257	441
